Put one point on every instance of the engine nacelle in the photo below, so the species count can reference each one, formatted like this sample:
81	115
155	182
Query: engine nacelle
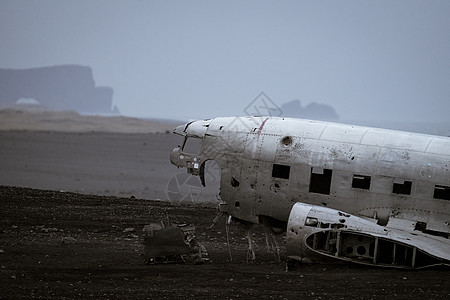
317	234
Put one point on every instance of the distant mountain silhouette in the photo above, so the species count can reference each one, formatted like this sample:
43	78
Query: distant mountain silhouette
314	111
65	87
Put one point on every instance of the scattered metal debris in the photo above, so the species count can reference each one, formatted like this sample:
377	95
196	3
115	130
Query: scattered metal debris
175	243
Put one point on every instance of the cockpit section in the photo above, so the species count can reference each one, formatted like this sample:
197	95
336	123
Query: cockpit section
194	128
189	153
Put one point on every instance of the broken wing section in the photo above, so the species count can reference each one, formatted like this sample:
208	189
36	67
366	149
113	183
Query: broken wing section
317	234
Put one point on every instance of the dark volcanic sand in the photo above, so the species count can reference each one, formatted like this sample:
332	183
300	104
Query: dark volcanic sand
99	260
100	163
89	162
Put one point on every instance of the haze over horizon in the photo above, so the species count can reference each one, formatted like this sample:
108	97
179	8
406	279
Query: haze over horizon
370	60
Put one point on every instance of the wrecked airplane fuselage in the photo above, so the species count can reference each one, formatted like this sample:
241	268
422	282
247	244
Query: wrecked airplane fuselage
392	180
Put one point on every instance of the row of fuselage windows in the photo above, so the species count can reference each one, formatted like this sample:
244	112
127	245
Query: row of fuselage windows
320	182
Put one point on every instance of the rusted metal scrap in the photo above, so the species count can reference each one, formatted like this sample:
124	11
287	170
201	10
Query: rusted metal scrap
175	243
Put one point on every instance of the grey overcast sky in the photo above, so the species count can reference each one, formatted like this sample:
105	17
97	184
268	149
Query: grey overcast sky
373	60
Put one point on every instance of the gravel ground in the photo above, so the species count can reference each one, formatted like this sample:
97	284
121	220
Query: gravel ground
59	245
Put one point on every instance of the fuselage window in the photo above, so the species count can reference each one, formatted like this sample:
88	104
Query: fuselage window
361	182
442	192
320	181
281	171
402	187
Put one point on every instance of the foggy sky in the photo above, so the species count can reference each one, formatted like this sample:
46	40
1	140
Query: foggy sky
373	60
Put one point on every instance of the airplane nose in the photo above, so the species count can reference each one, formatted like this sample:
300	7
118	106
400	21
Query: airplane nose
194	128
175	156
180	129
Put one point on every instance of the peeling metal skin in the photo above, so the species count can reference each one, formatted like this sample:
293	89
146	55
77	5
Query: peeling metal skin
399	180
